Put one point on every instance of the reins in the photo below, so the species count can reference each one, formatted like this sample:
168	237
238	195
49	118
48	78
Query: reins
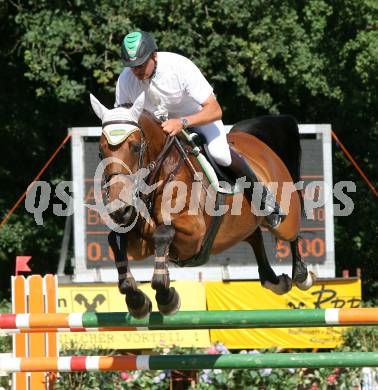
155	165
154	168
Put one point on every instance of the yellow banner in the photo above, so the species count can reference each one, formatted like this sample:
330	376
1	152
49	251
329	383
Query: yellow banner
219	296
106	298
250	295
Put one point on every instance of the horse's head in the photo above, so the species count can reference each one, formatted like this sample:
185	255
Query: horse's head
122	151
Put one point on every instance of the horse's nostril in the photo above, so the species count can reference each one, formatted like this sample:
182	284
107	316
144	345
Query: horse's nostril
122	215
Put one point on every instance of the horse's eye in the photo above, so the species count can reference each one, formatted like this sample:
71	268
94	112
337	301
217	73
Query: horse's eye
135	147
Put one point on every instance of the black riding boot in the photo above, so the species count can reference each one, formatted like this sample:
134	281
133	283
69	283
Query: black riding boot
240	168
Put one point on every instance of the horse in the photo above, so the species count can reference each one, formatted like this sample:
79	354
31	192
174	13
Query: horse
134	141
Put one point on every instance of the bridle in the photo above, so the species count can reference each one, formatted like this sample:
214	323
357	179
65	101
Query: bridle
143	146
153	166
154	169
142	152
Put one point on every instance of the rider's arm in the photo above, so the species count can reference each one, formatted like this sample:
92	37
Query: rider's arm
211	112
199	89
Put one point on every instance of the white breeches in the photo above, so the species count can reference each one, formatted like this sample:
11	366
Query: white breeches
216	139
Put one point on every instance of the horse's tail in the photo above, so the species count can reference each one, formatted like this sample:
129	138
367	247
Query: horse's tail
281	134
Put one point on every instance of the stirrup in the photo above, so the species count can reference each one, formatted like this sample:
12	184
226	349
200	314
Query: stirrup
276	215
274	220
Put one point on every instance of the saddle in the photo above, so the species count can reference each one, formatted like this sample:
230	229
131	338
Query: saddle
216	174
240	168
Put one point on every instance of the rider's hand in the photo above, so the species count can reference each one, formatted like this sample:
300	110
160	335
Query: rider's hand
172	126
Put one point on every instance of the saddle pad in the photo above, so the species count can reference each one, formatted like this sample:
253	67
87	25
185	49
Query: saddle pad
208	168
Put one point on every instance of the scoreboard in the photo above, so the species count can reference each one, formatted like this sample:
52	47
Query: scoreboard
93	258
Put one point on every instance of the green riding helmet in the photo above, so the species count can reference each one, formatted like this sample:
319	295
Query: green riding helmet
137	46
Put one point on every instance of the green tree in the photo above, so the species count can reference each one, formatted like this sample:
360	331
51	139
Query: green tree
316	60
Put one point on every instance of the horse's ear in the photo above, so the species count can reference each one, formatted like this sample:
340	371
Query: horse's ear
98	108
138	106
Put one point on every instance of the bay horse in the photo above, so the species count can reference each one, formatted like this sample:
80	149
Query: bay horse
136	140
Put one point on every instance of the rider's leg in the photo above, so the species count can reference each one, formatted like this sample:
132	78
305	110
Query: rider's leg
219	149
216	139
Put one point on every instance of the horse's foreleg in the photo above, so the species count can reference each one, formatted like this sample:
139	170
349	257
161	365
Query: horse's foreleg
303	278
138	303
278	284
167	298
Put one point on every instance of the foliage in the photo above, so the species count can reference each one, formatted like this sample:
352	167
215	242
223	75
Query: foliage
317	60
24	237
5	342
291	379
271	55
363	339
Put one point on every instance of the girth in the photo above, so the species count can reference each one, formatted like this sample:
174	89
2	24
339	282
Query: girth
203	255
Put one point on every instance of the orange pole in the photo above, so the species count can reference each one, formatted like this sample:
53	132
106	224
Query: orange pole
22	197
343	148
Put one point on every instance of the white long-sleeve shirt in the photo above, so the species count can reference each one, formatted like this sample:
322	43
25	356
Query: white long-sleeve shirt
177	86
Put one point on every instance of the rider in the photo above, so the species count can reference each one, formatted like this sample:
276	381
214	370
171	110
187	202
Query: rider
175	87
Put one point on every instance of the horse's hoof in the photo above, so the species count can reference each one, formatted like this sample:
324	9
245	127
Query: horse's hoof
172	306
283	286
141	311
307	284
